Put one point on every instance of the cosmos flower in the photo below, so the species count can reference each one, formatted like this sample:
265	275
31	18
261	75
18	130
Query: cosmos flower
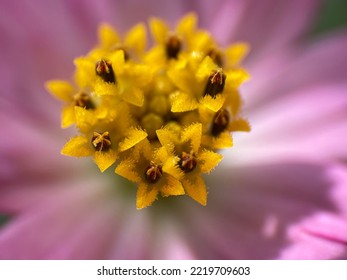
159	115
278	193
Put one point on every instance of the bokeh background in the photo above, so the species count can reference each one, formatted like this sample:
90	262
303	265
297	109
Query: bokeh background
332	16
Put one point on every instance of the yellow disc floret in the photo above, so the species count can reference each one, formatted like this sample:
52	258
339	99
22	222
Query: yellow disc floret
160	114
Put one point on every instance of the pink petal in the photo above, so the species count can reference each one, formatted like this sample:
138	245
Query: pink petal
338	174
320	63
297	109
75	222
249	217
31	150
219	17
308	124
253	22
34	53
168	242
322	236
134	237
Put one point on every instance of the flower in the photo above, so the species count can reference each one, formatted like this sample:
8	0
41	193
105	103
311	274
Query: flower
153	109
278	193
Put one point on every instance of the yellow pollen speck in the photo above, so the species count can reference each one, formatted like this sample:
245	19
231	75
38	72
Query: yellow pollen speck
158	113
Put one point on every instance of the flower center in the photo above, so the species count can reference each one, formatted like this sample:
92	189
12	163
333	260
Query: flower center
173	46
104	70
165	104
215	83
220	122
101	141
83	100
153	173
188	161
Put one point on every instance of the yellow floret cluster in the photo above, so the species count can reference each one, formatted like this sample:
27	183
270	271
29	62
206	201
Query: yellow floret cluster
160	114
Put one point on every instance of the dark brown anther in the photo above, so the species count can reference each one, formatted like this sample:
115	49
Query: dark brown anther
153	173
83	100
173	47
188	161
220	122
104	70
216	56
215	83
101	141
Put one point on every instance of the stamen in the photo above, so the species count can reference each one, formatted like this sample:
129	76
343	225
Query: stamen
188	161
173	47
215	83
101	142
83	100
104	69
216	56
153	173
220	122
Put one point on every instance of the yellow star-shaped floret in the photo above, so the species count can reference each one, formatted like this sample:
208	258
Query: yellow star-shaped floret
193	159
133	43
154	171
101	139
72	98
